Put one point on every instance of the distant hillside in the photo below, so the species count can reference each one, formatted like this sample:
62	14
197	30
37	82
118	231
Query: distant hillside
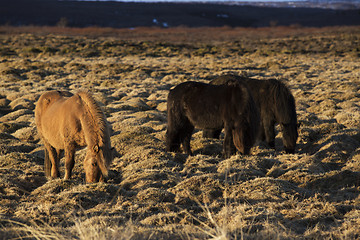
128	15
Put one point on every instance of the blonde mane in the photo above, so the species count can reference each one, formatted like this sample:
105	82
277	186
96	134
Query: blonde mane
94	121
95	126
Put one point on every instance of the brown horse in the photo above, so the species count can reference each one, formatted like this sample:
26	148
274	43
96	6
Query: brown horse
67	122
276	105
205	106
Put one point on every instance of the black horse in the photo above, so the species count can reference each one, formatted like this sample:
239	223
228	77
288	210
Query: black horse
211	107
276	105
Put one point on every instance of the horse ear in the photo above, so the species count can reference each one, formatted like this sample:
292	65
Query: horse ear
96	148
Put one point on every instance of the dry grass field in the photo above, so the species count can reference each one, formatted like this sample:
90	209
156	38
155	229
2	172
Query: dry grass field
152	194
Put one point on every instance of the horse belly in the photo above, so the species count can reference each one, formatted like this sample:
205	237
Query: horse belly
205	116
207	123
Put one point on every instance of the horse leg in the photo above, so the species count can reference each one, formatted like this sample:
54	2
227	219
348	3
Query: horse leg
228	145
69	161
261	135
172	141
186	139
179	132
51	163
269	128
289	136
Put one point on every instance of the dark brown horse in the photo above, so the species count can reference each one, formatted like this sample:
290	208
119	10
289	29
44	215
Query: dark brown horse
276	105
67	122
205	106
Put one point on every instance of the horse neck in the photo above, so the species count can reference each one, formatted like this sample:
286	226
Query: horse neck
93	121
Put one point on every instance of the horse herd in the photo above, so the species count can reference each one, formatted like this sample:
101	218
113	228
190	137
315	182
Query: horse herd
246	108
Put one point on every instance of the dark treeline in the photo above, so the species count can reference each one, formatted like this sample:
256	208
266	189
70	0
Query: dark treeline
127	15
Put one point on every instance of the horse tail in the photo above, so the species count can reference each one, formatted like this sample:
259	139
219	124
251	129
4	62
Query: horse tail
40	107
175	119
285	109
47	164
96	130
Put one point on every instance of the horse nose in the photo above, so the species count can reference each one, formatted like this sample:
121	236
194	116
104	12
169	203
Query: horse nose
92	179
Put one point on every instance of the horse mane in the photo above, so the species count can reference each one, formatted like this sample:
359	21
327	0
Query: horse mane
94	120
283	100
238	90
248	111
95	126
